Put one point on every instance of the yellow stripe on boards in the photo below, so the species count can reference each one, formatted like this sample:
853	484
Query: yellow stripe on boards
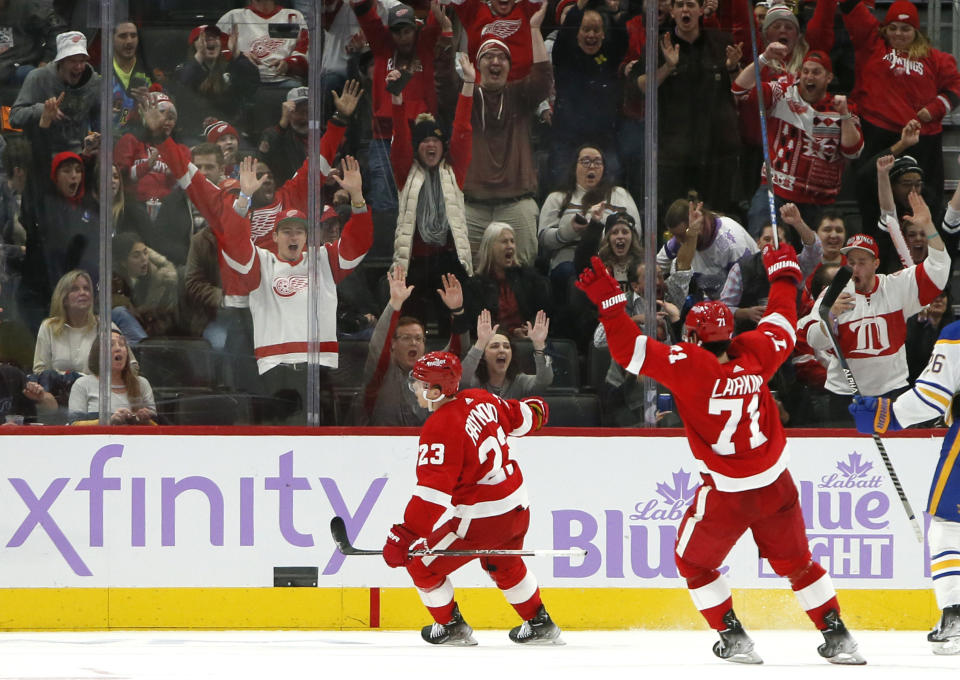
401	609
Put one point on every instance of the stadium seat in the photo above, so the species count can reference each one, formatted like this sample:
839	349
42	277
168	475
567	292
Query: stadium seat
564	360
582	410
177	362
598	363
353	356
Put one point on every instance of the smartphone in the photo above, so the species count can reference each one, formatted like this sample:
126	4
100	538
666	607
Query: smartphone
283	31
396	87
137	82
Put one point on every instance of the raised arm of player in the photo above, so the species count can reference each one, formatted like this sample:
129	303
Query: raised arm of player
773	340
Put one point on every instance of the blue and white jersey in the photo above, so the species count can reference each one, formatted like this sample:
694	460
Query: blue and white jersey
931	397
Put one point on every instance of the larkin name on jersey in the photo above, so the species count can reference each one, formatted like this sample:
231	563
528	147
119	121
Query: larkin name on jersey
737	386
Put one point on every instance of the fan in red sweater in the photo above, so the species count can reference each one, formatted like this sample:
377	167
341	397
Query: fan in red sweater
901	77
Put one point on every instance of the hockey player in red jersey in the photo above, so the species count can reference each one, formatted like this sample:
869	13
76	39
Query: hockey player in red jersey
720	390
464	462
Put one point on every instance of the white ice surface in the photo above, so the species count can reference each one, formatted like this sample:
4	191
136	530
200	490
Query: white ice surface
589	655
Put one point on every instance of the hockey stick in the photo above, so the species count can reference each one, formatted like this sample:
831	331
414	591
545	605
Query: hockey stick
338	529
833	292
762	109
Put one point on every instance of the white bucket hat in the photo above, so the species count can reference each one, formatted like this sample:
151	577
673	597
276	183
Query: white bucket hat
71	43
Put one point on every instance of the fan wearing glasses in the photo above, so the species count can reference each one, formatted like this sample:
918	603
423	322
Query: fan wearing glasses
564	216
398	341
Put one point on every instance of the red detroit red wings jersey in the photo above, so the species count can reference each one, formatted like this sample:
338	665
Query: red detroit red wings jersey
731	420
463	460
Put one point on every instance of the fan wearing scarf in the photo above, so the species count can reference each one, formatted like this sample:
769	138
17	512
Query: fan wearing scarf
431	236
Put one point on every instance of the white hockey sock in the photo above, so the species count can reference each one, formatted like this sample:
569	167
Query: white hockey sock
711	595
944	540
440	596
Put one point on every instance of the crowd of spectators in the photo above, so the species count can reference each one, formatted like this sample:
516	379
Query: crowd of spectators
474	156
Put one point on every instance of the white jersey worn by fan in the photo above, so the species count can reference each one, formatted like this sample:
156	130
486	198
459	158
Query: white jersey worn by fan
872	335
288	43
278	290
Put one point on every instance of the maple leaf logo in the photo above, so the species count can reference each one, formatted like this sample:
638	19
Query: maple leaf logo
854	468
681	490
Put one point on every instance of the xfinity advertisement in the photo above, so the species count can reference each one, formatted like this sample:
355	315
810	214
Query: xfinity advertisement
208	511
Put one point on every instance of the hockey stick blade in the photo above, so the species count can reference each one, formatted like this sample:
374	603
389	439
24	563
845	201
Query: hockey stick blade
840	280
338	529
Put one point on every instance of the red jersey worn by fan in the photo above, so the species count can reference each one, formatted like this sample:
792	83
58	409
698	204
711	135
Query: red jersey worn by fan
890	86
807	155
512	28
420	93
463	463
733	427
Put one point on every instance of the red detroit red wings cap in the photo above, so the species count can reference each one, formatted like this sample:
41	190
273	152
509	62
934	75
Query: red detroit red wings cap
204	28
292	215
863	242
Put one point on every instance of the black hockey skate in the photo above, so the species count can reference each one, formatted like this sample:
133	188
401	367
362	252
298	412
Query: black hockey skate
540	630
734	643
457	632
838	645
945	638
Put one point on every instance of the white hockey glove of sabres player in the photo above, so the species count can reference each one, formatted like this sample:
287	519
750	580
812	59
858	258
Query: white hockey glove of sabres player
541	412
873	414
602	289
782	263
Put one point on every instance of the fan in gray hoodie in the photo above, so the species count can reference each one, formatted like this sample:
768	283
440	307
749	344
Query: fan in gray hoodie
71	79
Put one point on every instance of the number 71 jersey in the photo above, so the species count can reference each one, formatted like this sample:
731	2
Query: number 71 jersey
731	419
464	461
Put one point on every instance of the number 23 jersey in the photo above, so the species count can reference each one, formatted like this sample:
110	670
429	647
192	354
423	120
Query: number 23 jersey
463	460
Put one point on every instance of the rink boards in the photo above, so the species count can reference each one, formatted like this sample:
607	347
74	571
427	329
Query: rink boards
122	530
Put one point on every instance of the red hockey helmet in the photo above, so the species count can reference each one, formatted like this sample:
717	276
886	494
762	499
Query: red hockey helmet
711	320
442	369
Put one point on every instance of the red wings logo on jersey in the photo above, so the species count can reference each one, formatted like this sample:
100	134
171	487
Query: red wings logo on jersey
262	48
502	28
262	221
872	337
799	107
287	286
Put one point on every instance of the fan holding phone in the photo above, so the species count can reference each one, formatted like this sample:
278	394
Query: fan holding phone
272	37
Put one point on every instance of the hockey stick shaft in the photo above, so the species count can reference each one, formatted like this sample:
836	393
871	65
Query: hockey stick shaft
762	110
833	292
338	529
